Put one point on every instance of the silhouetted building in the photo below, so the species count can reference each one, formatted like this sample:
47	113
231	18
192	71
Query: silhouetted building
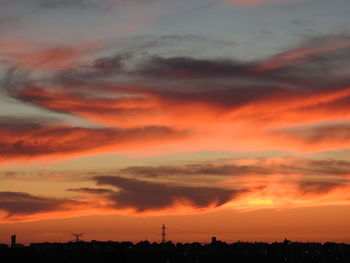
3	246
146	252
13	241
213	240
286	242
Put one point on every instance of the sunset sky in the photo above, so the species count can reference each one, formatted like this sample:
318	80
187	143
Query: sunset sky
226	118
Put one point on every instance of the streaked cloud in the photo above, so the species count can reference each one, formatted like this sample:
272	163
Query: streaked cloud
245	167
27	140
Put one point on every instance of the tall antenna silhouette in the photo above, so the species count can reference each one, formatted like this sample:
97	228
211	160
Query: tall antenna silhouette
77	236
163	234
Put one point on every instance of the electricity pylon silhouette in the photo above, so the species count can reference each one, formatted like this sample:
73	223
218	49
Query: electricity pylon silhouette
163	234
77	236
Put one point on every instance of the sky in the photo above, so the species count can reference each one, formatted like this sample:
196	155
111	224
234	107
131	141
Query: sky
226	118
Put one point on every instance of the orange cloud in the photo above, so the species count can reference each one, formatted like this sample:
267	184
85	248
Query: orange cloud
26	140
224	104
153	110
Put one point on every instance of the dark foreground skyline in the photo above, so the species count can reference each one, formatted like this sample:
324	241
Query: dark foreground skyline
218	117
144	251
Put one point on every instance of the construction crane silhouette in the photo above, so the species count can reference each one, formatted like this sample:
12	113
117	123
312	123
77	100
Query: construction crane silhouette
77	236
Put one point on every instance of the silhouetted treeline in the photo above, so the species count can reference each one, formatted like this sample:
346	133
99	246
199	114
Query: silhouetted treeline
221	252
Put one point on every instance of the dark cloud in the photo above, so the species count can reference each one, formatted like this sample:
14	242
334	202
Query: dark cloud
292	68
306	71
287	166
319	187
64	3
143	196
333	132
193	169
17	123
17	203
94	191
13	80
171	45
331	167
188	67
52	3
111	65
